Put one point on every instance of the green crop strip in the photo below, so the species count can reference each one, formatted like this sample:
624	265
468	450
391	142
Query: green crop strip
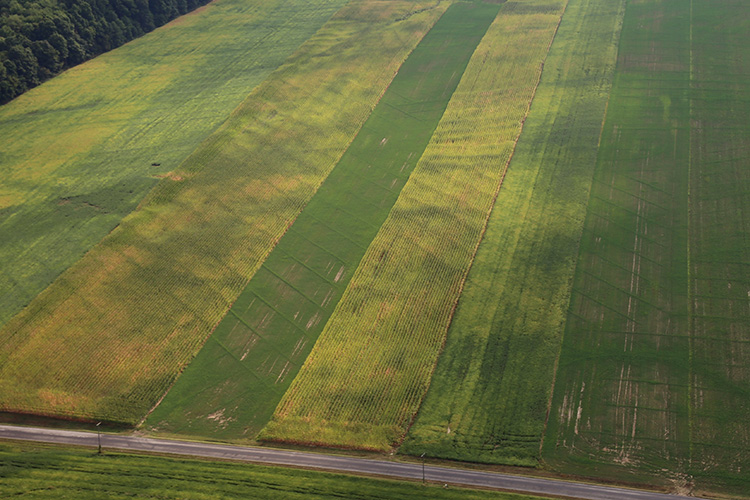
653	374
256	351
80	152
623	378
489	395
719	245
107	339
366	376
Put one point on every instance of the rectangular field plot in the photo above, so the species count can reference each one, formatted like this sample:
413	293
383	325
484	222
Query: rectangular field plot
114	331
489	395
289	300
369	371
654	373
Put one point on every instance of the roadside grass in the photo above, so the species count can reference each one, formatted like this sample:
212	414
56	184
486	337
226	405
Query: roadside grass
653	375
79	153
36	471
107	339
366	376
232	387
488	398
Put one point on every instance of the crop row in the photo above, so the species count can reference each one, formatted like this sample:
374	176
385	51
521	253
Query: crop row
111	334
366	376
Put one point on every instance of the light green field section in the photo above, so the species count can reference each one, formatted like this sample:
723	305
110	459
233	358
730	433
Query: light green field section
654	377
489	395
367	374
77	154
37	472
107	339
232	387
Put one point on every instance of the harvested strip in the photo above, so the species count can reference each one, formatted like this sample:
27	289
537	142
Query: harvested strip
365	378
254	354
110	335
81	151
490	391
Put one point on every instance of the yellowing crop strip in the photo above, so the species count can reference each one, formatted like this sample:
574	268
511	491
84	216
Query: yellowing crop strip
369	371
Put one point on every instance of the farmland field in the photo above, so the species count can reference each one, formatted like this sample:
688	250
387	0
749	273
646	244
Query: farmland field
653	372
33	471
80	152
251	358
155	287
370	368
489	395
503	232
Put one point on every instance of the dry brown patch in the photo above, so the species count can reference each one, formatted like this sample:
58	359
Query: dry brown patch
169	175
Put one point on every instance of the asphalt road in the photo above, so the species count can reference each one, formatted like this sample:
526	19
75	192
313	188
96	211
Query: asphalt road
334	463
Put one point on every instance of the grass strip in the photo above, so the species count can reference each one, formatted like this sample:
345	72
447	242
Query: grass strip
110	335
365	378
256	351
489	395
34	471
81	151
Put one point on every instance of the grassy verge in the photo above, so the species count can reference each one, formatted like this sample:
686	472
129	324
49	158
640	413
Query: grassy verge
34	471
489	395
233	386
81	151
110	335
366	376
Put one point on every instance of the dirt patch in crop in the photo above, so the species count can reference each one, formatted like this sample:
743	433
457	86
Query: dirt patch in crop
169	175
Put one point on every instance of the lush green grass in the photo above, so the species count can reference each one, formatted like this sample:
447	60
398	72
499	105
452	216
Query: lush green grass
34	471
77	153
233	386
489	395
653	372
369	371
106	340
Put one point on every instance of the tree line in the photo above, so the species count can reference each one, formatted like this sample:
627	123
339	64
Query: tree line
40	38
